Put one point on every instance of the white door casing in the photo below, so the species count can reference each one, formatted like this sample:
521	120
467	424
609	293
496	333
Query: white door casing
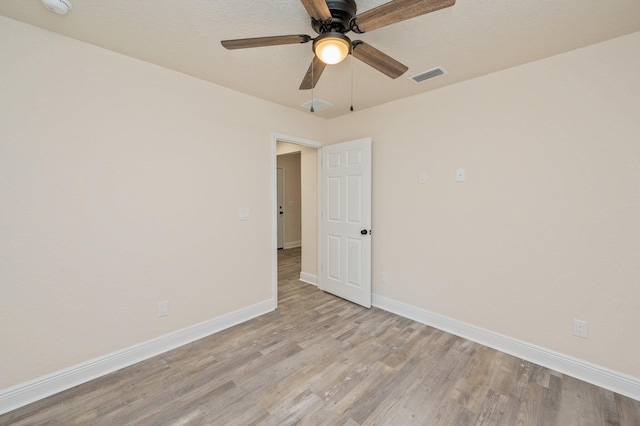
345	234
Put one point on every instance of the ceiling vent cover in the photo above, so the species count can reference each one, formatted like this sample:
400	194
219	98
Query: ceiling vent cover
427	75
318	105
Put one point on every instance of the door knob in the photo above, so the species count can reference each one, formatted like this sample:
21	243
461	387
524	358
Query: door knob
364	232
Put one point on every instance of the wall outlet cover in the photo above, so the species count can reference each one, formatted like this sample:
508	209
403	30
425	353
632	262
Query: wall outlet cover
163	309
580	328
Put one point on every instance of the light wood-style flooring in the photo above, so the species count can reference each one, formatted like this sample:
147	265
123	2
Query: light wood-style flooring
319	360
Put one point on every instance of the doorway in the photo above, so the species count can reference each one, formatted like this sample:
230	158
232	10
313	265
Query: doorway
345	228
307	239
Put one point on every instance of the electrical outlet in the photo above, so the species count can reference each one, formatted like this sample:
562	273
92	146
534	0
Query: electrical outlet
580	328
163	309
384	278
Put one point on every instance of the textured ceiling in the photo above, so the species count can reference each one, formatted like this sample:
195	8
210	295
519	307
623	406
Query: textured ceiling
470	39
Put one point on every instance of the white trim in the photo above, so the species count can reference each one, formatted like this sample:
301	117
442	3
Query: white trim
295	140
26	393
319	224
308	278
292	244
600	376
274	221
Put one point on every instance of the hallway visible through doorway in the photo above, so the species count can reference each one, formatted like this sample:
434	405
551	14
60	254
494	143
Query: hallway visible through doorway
289	200
289	265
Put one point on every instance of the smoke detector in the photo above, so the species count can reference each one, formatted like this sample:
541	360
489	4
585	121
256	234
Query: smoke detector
61	7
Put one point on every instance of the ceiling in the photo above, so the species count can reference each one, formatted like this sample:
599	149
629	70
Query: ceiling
470	39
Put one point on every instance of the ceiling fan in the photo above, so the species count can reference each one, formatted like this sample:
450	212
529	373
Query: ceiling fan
332	19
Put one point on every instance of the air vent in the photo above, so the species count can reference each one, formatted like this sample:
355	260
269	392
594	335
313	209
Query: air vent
427	75
318	105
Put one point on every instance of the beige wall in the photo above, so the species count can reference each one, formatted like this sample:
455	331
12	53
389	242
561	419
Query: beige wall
309	201
309	166
290	163
546	227
120	185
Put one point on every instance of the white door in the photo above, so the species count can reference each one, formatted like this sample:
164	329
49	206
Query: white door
345	235
280	212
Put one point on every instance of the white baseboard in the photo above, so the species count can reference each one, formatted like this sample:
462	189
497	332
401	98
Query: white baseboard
308	278
292	244
26	393
600	376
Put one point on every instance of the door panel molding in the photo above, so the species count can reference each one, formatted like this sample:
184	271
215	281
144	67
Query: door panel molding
345	211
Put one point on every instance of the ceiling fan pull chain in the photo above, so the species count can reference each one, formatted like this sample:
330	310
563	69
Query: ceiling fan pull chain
311	109
351	109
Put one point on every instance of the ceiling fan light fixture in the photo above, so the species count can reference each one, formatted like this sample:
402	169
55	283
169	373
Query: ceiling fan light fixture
332	47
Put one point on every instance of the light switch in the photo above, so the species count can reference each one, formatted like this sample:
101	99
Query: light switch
244	214
292	203
422	177
460	175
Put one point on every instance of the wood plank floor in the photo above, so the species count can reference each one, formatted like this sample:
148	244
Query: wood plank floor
321	360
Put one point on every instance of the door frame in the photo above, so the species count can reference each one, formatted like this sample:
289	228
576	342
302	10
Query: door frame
275	137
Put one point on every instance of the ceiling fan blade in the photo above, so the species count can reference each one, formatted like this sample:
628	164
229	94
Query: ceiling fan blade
244	43
317	9
397	11
378	60
313	73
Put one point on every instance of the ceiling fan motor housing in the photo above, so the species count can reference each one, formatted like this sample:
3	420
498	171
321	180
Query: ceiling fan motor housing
342	12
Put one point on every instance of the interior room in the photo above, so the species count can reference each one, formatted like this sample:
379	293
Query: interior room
138	213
